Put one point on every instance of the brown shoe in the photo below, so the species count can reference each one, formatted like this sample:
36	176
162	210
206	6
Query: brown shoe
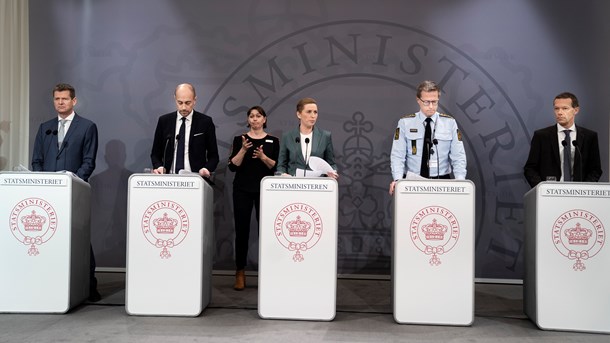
240	280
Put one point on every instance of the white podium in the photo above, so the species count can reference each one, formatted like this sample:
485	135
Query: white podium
567	264
170	245
44	241
297	276
433	252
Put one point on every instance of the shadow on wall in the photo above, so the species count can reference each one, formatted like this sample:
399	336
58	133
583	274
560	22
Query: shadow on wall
109	207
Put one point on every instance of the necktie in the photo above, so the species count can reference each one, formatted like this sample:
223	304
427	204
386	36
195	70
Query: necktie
567	157
425	169
62	132
180	149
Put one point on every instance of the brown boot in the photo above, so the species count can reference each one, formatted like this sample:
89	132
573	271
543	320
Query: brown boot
240	280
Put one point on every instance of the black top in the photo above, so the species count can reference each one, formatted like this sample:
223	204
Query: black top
249	174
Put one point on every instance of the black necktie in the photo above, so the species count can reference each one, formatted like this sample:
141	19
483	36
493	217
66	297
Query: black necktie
425	169
180	149
567	157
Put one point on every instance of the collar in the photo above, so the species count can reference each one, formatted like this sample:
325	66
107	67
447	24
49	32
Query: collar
188	118
422	117
561	128
68	118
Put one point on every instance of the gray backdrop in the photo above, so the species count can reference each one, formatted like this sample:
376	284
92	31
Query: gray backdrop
500	64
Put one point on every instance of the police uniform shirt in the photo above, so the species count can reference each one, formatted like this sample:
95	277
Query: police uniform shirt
408	144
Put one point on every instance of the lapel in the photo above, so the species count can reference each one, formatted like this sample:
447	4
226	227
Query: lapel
73	126
555	145
194	127
580	137
297	134
317	140
71	130
51	127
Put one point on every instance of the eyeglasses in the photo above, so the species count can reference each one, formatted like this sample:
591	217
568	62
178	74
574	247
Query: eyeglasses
429	102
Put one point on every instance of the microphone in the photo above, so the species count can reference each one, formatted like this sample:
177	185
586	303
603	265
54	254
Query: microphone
438	165
575	144
306	160
565	146
428	143
297	140
167	138
48	132
64	145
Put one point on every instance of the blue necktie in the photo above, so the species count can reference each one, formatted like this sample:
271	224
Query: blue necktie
180	150
567	157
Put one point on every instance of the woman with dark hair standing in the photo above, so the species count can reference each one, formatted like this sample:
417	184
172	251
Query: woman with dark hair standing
253	156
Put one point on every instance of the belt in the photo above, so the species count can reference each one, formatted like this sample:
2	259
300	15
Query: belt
446	176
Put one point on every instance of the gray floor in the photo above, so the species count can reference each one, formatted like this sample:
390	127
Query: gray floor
364	314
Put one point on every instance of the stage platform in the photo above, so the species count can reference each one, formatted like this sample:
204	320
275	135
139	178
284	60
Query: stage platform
364	314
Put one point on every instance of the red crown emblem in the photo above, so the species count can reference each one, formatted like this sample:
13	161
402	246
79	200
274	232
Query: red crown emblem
298	228
578	235
165	224
434	231
33	222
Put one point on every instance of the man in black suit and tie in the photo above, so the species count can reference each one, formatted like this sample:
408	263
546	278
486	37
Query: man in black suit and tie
563	152
68	142
185	139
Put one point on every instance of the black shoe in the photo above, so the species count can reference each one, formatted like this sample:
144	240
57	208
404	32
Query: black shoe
94	296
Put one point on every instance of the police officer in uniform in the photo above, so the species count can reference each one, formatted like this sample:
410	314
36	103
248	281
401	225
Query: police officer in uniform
427	143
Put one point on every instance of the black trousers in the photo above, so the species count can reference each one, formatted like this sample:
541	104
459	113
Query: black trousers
242	212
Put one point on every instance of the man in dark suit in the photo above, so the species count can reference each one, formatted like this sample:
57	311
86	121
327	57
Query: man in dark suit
68	142
565	151
185	139
73	147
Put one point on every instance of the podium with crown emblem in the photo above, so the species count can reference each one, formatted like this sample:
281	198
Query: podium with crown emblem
297	276
566	279
433	252
44	243
170	245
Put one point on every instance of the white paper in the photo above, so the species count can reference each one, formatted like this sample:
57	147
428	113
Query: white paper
21	168
413	176
318	167
308	173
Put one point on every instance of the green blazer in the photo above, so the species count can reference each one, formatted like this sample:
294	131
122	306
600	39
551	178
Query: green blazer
291	154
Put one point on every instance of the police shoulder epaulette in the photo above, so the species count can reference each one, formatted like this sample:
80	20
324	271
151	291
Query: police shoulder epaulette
445	115
411	115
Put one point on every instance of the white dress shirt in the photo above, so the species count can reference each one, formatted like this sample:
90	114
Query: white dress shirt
187	134
560	137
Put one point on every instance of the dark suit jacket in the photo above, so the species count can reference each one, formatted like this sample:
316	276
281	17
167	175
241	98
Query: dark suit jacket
544	158
77	153
291	154
203	150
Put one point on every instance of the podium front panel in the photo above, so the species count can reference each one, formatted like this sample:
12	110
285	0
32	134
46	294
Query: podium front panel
298	248
433	259
570	257
168	245
40	267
